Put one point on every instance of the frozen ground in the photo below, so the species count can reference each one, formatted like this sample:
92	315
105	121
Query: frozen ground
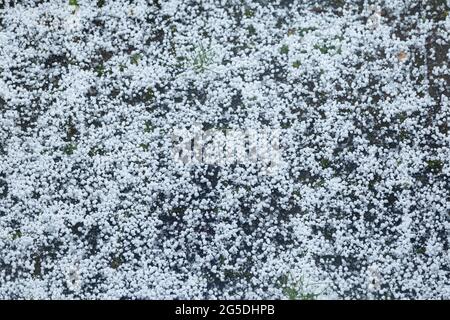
93	203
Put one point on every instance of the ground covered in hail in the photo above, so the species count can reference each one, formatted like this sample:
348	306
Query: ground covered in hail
102	197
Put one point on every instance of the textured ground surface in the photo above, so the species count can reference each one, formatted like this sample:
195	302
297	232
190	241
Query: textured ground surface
93	205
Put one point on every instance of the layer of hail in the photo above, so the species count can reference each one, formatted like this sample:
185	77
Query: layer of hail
121	122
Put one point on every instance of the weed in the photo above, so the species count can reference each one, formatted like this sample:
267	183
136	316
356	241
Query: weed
100	69
303	31
144	146
323	48
70	148
135	58
295	290
435	165
149	94
296	64
249	13
96	151
16	234
148	127
37	272
325	163
251	30
421	250
284	49
116	262
403	135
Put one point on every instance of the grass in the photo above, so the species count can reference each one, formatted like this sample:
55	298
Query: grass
295	290
202	59
73	2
